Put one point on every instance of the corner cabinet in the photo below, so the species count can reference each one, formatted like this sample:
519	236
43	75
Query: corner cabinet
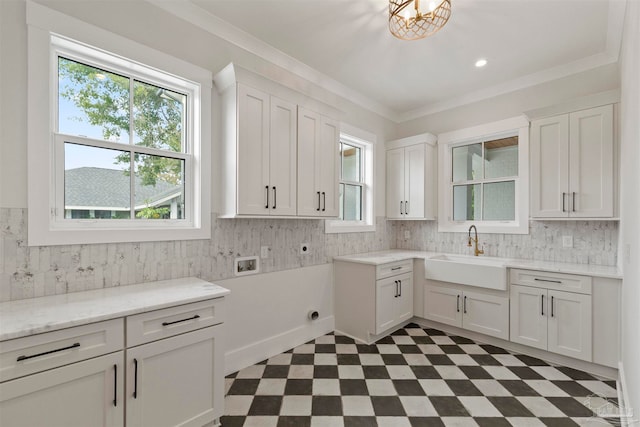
572	165
411	178
318	160
370	300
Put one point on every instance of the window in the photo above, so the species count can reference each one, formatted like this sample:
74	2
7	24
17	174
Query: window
122	158
356	183
485	179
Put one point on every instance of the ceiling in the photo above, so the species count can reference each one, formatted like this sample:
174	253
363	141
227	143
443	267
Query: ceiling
345	46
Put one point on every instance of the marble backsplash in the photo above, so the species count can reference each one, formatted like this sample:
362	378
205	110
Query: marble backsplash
27	272
594	242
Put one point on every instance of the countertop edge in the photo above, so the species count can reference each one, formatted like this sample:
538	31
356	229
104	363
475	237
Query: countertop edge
384	257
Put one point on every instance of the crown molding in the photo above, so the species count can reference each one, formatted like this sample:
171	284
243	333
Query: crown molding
203	19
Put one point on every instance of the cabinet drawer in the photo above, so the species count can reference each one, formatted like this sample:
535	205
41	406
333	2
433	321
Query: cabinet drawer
28	355
546	280
158	324
394	268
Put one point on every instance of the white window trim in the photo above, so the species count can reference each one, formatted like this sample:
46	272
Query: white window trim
366	141
508	127
45	27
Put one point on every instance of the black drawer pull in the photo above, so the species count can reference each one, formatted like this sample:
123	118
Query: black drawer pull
396	268
197	316
48	352
135	378
458	304
115	385
545	280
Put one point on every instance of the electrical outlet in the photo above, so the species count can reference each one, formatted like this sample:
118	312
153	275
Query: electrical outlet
264	252
305	249
567	241
407	234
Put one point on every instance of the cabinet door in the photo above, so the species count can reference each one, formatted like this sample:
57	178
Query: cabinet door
414	158
80	394
570	324
487	314
591	162
549	167
283	157
176	381
253	151
386	298
529	309
443	304
309	196
404	302
328	155
395	183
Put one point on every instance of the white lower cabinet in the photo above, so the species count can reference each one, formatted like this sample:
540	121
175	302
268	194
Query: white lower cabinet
394	301
486	312
169	374
173	382
545	317
87	393
371	299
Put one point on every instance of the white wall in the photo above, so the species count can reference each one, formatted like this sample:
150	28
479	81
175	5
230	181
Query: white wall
630	204
267	314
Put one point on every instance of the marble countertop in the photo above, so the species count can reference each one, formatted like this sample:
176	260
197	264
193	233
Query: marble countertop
384	257
36	315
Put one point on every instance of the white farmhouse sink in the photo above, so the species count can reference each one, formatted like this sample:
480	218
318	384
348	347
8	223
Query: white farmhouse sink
490	273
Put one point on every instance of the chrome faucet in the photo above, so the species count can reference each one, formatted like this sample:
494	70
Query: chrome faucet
476	251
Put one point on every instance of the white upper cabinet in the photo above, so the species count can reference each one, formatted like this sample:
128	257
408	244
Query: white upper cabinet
266	154
411	178
318	157
278	158
572	165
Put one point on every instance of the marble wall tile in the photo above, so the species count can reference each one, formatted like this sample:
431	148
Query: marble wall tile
28	272
594	242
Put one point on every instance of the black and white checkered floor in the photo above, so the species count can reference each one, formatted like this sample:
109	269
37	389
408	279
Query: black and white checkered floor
414	377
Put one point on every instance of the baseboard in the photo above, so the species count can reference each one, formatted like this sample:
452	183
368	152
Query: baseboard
623	397
553	358
257	352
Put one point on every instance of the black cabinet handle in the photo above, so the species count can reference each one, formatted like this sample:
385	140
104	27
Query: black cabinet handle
400	292
458	303
267	189
396	268
75	345
318	202
135	378
546	280
573	202
542	305
552	306
115	385
464	305
401	208
324	201
406	207
396	294
563	197
275	197
197	316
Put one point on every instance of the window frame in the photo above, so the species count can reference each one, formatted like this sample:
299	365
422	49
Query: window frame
52	34
517	126
366	142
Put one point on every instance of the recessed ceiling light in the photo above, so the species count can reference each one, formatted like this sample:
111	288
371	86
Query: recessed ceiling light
481	63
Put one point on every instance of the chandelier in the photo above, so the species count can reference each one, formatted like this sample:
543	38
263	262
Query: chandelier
408	21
